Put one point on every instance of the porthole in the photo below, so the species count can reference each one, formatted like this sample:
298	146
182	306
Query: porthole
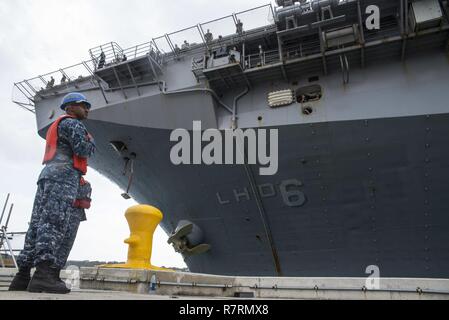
307	110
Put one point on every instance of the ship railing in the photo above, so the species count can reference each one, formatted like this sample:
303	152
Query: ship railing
111	51
114	54
175	43
163	48
272	56
16	240
191	38
147	48
45	85
261	59
302	50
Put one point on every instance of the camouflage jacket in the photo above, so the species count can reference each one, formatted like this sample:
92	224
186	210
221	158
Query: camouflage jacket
72	138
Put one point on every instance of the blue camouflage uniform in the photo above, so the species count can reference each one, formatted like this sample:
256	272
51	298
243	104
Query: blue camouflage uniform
51	223
76	215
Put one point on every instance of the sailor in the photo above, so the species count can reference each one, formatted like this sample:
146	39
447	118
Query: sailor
63	79
102	60
51	83
232	54
67	149
261	56
208	36
239	27
185	45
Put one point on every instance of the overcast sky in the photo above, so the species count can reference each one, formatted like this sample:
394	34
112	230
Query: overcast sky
37	37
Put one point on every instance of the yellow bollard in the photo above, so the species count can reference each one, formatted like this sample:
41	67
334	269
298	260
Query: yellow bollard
142	221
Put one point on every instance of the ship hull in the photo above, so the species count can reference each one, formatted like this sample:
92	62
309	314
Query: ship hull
362	181
347	195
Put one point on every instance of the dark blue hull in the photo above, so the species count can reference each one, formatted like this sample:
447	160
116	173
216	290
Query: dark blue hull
347	195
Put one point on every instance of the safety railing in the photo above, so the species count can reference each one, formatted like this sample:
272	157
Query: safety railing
111	53
290	52
261	59
106	54
214	31
302	49
24	92
147	48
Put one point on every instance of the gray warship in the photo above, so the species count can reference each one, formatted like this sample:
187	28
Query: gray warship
362	116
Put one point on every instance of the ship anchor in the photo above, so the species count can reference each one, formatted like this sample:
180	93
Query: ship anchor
186	239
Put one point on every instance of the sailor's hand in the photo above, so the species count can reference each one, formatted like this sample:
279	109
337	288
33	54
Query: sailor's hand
90	138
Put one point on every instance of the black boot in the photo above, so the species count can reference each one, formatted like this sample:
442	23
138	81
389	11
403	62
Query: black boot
21	280
46	279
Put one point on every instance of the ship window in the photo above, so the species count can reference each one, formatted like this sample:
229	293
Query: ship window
309	93
314	78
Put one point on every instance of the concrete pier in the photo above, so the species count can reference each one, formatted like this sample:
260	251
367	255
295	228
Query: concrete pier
7	274
78	294
134	284
203	285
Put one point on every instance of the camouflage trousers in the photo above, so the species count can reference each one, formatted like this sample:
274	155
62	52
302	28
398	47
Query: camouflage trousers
53	226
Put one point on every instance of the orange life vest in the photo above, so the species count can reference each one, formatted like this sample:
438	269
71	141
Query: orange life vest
79	163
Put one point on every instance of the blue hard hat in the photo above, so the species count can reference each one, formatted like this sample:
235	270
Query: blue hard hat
74	97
